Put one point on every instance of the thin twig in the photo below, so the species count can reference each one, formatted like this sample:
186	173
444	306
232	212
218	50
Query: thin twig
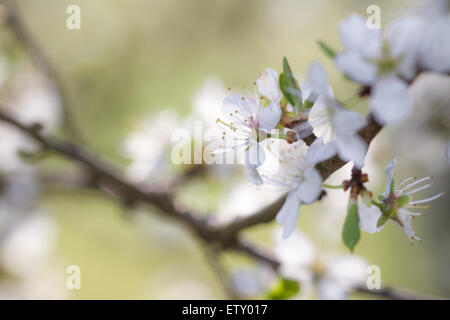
395	294
42	63
213	260
109	181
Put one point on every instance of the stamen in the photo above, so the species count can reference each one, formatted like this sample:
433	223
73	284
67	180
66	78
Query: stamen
427	199
418	207
413	184
418	189
404	181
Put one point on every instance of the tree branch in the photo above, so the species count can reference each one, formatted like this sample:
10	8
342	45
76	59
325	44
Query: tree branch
111	182
226	237
395	294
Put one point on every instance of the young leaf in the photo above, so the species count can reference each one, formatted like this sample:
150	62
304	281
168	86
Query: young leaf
350	232
283	289
326	49
289	86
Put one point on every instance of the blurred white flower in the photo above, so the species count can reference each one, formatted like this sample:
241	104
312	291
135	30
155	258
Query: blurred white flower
316	83
362	45
390	100
396	203
435	46
207	101
148	147
27	248
242	200
18	193
35	101
298	176
382	62
11	143
333	275
252	282
25	253
32	101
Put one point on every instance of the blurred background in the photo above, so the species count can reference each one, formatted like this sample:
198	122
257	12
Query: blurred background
134	72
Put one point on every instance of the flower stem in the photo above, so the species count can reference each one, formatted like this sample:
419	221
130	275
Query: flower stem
378	204
276	136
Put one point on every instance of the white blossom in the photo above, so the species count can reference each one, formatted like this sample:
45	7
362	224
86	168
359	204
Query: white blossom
298	176
207	101
384	63
11	144
332	122
148	148
333	275
250	124
35	101
251	282
369	216
435	46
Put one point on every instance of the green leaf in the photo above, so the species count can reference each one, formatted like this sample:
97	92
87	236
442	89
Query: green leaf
283	289
350	232
289	86
326	49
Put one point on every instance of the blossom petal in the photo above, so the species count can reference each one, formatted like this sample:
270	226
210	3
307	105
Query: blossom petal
356	67
253	175
289	213
320	118
351	148
328	289
319	152
405	217
298	251
309	190
268	85
435	46
342	274
237	107
356	36
318	78
390	101
255	155
404	36
270	116
389	175
346	121
368	218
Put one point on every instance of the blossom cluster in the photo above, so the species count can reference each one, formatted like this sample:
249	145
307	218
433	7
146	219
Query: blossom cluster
312	125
